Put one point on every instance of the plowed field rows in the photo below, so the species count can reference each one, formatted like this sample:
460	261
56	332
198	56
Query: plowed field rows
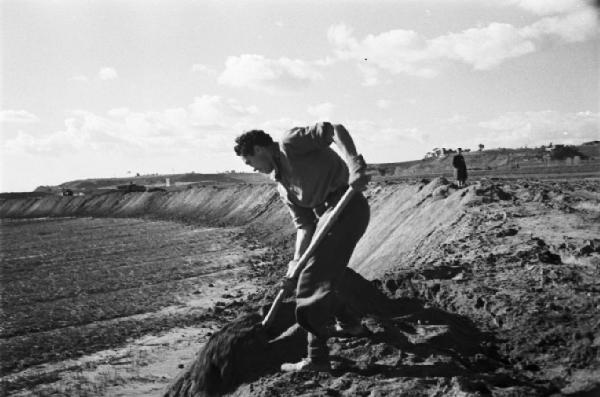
72	286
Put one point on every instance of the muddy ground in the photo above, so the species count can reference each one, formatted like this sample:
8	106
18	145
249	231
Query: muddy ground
489	290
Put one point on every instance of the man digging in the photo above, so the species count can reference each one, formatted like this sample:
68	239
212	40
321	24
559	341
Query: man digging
311	179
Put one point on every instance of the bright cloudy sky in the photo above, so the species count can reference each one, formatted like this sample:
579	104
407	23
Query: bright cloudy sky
102	88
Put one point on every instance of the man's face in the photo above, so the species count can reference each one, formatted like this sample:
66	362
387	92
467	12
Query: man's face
260	161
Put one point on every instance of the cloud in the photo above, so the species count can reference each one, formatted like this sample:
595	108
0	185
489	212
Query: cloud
546	7
118	112
455	119
370	75
537	7
537	128
107	73
271	75
322	111
214	110
383	134
202	69
572	28
208	123
18	116
79	78
81	130
483	48
397	51
402	51
383	103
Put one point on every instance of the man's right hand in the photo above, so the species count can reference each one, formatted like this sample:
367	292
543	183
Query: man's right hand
291	267
358	173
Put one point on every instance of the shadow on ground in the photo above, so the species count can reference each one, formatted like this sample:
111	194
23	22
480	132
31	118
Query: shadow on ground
407	339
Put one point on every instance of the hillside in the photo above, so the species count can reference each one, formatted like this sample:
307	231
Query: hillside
500	162
176	181
491	162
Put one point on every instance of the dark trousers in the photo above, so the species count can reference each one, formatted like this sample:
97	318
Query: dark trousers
317	302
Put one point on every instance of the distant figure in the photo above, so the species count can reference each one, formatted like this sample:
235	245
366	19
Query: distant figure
460	168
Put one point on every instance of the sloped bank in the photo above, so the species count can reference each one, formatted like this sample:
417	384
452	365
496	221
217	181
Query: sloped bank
257	206
406	218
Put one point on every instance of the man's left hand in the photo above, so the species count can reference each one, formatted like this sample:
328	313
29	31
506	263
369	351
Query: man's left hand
288	285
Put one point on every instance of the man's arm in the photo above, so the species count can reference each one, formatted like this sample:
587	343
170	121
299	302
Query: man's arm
303	238
356	164
343	140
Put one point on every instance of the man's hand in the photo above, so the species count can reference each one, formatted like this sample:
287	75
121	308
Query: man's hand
291	267
358	176
288	285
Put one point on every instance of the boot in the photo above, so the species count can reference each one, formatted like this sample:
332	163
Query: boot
356	329
307	364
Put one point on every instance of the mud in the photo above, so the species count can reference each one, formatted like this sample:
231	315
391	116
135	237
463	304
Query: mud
488	290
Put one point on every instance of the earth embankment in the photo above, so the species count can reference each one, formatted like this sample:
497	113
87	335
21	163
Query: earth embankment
406	218
257	206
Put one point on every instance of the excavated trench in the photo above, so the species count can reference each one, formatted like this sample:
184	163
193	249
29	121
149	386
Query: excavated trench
498	280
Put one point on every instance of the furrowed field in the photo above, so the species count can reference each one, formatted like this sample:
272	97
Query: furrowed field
73	286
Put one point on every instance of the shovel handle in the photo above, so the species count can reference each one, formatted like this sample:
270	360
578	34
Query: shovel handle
314	243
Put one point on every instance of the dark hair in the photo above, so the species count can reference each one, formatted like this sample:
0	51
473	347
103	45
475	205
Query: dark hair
245	143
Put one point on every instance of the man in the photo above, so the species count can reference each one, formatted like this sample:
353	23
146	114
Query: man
460	168
311	178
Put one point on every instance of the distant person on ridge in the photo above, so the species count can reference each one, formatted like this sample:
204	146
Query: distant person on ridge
312	178
460	168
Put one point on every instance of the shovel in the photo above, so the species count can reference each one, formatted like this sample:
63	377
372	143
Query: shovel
227	358
314	243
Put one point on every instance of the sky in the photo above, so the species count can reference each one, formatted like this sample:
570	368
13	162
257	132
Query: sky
105	88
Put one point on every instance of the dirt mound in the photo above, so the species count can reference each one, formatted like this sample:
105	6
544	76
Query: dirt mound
257	206
408	220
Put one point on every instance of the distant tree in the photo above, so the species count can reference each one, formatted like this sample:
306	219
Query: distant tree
466	150
481	147
561	152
